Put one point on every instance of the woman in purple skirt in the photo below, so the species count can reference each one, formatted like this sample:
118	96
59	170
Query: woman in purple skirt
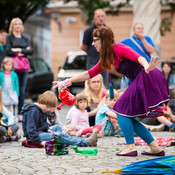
143	98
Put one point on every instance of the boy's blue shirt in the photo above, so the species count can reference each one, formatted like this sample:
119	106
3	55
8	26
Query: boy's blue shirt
101	114
34	121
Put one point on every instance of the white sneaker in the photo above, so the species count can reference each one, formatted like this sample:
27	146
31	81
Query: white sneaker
158	128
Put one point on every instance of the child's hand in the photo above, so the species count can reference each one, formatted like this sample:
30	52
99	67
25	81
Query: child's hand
49	131
69	132
43	143
9	132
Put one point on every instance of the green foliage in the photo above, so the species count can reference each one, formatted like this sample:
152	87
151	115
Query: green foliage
89	6
165	26
167	22
18	8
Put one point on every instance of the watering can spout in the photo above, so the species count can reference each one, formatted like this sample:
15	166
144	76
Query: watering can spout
59	107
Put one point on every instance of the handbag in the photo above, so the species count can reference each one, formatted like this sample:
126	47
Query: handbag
56	146
21	64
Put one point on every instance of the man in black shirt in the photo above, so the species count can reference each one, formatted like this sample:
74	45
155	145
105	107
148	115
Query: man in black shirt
92	54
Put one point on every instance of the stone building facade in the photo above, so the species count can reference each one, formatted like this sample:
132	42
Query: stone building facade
67	30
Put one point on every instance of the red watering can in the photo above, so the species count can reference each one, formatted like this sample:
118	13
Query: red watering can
67	98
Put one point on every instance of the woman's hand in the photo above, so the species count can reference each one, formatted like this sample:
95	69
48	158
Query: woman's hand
62	85
152	65
16	49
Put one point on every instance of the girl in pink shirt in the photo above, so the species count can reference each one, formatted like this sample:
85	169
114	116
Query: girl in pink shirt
79	117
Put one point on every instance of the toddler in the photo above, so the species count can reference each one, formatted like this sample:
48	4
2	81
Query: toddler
9	84
79	118
107	118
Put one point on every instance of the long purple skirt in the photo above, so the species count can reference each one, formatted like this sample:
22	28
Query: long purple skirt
145	96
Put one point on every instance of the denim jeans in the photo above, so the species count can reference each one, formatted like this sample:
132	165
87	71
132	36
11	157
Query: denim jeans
22	77
70	140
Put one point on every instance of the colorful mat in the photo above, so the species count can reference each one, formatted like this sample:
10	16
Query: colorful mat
161	141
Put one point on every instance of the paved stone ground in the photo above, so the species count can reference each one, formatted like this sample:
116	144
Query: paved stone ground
16	159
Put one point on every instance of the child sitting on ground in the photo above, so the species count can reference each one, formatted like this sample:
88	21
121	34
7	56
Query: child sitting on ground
107	118
161	123
8	126
79	118
37	130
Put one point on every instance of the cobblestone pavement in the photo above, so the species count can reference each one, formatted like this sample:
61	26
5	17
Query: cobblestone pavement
16	159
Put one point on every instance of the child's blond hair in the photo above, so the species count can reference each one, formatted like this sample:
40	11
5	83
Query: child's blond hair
48	98
79	97
5	61
116	94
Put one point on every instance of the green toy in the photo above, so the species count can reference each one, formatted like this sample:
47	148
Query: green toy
92	152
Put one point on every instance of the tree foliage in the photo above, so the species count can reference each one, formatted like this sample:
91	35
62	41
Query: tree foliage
89	6
18	8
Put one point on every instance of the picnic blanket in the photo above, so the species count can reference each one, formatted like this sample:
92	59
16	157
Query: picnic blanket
161	141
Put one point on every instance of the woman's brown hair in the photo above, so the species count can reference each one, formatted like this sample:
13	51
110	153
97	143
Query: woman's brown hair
170	65
48	98
107	42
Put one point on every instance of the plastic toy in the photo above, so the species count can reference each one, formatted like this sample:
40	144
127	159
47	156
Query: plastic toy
67	98
111	91
92	152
